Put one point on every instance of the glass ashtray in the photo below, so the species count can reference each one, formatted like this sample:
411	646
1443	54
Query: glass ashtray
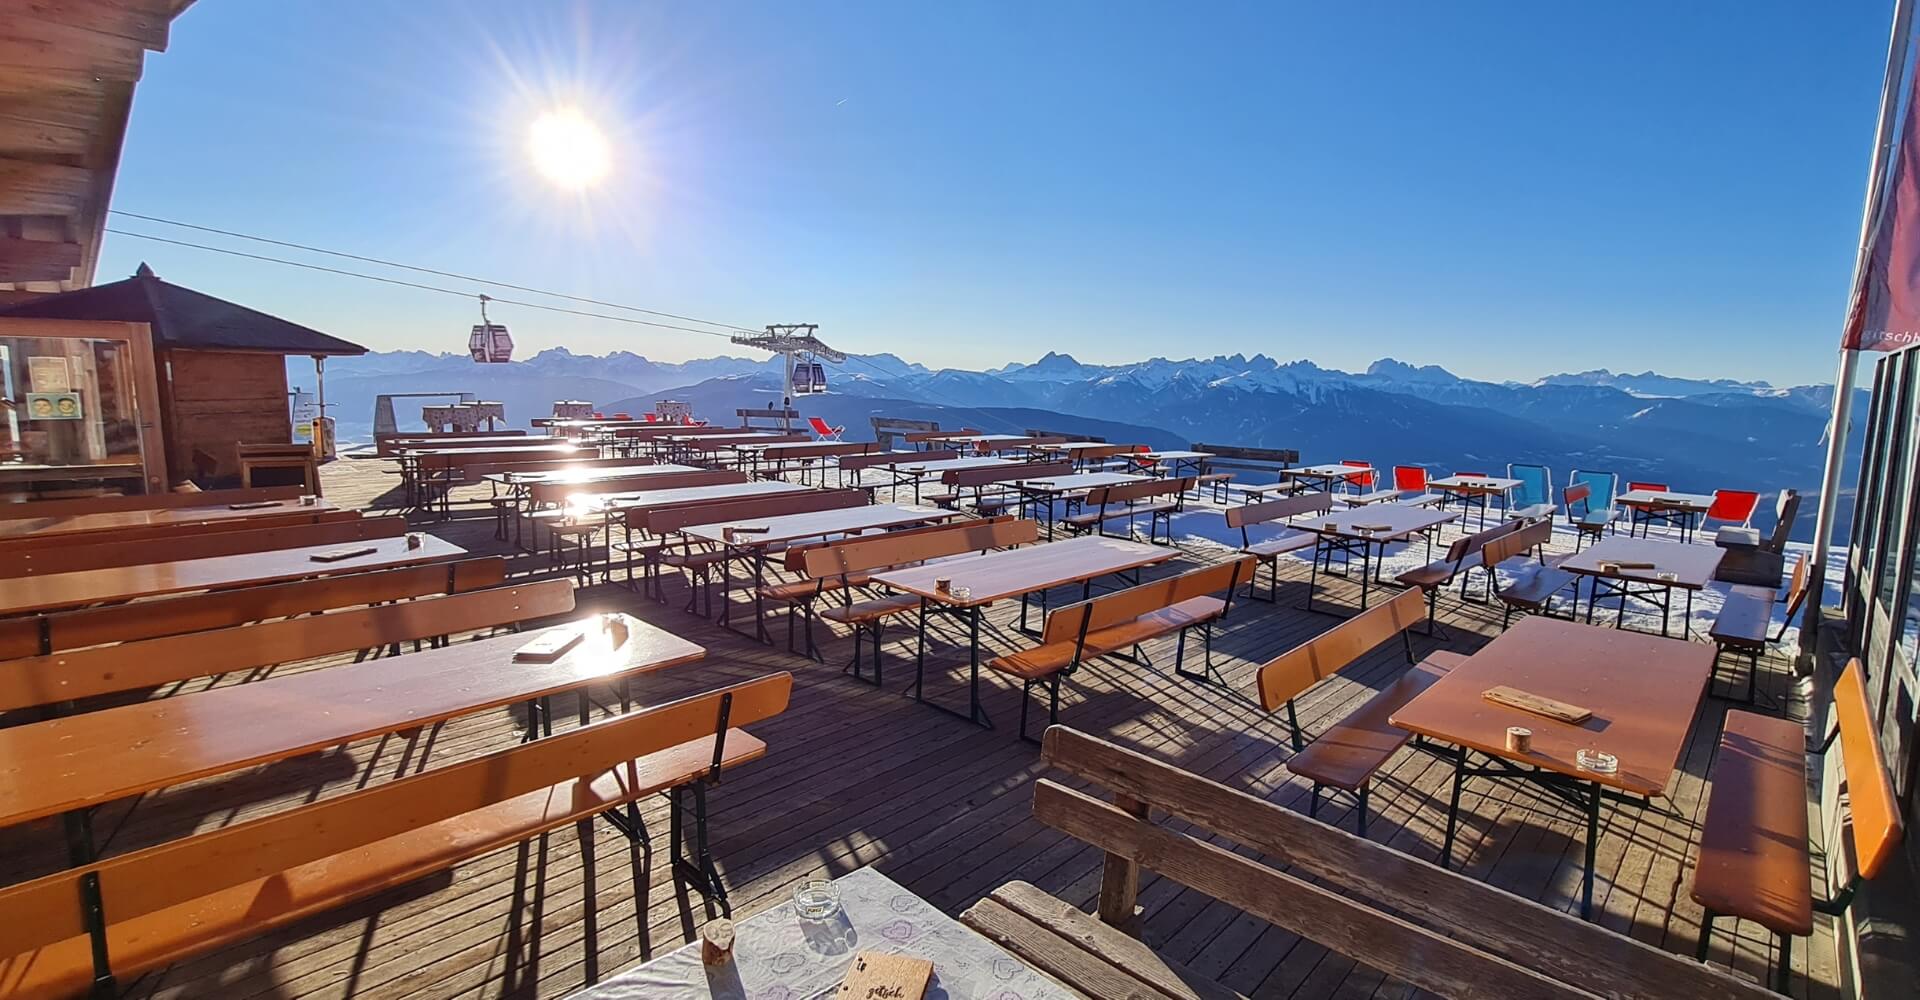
816	899
1597	761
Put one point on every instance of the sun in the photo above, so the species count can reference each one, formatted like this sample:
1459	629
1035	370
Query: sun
569	149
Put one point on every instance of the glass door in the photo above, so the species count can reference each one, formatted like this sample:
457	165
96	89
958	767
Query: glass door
79	408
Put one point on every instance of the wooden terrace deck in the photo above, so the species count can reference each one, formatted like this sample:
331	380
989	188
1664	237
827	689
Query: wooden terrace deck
862	776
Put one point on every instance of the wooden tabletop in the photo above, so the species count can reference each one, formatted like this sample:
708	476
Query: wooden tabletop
652	499
1074	445
1473	484
82	760
1400	520
81	524
521	449
819	523
995	576
1642	690
592	474
1076	481
1181	456
1327	471
1693	566
1695	502
19	595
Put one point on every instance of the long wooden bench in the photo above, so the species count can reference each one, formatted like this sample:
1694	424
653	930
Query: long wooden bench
388	445
1110	624
39	634
1348	754
1456	564
1431	929
1533	593
843	566
71	675
146	501
547	503
1266	461
194	545
93	925
957	481
1755	860
1130	500
1741	626
292	517
1270	550
804	454
879	459
659	545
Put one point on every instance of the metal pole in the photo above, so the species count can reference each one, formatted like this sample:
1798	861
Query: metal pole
1849	359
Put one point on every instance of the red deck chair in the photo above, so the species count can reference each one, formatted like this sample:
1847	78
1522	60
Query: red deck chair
1649	487
621	416
1642	519
652	418
826	431
1410	478
1733	507
1359	480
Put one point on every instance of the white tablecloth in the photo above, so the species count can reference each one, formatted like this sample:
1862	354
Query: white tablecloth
778	956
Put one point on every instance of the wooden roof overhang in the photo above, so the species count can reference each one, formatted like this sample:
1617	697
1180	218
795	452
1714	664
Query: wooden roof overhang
68	69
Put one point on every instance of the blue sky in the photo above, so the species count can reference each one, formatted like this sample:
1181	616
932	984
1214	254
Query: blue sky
1507	189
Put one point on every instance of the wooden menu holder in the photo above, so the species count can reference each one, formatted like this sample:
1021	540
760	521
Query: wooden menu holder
876	976
1528	702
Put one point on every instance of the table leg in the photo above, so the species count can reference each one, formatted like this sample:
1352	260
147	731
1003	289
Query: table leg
1366	568
1453	808
759	594
1593	843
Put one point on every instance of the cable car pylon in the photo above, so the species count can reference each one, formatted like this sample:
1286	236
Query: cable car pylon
799	350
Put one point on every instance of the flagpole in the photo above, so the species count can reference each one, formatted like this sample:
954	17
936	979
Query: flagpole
1838	424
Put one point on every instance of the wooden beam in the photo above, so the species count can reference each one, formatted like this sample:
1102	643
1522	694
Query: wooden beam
143	21
26	42
37	260
28	188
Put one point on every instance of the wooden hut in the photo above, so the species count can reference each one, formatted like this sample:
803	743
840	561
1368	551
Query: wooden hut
221	367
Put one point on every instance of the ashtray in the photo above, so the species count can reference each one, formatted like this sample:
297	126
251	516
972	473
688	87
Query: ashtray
1597	761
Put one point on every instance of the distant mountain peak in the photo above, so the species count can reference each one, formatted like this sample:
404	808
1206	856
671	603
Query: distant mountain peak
1401	371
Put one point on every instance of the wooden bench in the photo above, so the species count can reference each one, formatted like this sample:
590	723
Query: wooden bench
1755	859
977	480
1535	593
805	455
1268	461
844	566
1130	500
1351	751
1431	929
1455	565
1741	626
1112	623
39	634
193	545
71	675
1270	550
885	460
96	924
290	517
547	502
657	545
389	444
147	501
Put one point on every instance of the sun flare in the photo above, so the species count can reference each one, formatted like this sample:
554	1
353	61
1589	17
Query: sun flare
569	149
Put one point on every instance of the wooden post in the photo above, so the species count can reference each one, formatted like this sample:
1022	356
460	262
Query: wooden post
1120	879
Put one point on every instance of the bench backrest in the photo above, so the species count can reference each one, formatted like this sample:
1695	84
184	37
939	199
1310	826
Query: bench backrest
477	458
823	449
1076	620
1274	510
916	437
554	494
48	910
1105	451
1518	541
1063	435
1576	494
1100	496
1877	827
1785	509
671	519
848	463
795	556
149	501
194	545
384	445
902	548
144	663
1330	652
554	465
1005	473
1440	931
37	634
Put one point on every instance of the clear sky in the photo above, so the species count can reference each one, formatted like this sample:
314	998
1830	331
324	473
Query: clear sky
1507	189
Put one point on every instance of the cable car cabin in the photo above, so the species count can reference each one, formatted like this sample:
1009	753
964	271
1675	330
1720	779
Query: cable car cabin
490	344
809	378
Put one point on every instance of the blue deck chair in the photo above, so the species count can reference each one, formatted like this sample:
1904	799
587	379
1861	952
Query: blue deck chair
1593	515
1532	500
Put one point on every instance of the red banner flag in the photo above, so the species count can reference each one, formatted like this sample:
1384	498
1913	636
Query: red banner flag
1885	313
